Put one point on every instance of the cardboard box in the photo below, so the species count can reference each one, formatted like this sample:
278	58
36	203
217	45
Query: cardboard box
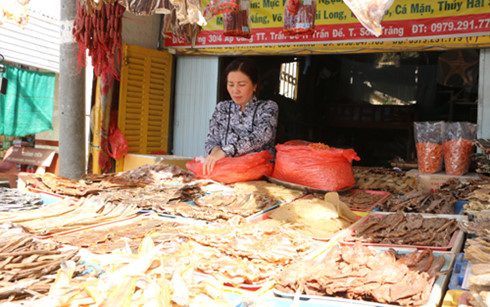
432	182
132	161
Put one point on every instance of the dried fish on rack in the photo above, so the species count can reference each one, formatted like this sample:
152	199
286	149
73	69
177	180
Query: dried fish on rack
16	200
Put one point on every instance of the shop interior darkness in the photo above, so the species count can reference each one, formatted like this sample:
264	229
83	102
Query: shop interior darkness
369	101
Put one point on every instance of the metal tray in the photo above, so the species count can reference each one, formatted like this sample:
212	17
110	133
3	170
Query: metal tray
300	187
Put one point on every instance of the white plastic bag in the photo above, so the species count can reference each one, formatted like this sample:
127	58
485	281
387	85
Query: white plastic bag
370	13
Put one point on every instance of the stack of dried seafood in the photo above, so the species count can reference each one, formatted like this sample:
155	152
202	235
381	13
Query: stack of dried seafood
65	215
268	189
27	263
218	207
461	188
320	218
360	273
406	229
142	279
16	200
123	234
361	200
157	175
384	179
483	161
477	252
478	200
239	252
422	202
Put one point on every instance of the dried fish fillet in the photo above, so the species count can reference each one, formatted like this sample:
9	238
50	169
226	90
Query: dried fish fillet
370	13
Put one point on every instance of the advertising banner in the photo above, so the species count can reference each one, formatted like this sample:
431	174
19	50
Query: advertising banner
407	25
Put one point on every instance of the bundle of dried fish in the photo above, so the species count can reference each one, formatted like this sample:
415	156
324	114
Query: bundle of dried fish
361	200
155	174
150	197
422	202
461	188
185	19
406	229
484	145
93	5
16	200
370	13
384	179
145	7
217	207
268	189
141	279
64	215
240	252
123	234
479	226
26	264
316	217
478	200
360	273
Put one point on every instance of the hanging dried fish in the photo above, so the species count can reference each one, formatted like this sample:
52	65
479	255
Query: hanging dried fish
370	13
146	7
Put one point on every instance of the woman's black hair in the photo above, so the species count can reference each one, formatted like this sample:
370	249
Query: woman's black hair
246	66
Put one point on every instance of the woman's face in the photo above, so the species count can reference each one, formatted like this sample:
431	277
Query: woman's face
240	87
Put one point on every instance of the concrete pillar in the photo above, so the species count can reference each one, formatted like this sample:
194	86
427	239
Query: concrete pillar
484	95
72	100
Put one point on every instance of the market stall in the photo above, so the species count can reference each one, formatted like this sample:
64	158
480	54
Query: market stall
159	234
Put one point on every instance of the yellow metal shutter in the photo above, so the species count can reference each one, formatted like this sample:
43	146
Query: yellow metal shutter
144	98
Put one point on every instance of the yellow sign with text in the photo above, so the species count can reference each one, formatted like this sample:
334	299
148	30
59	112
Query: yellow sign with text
407	25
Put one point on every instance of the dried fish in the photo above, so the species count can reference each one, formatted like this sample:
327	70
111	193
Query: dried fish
16	200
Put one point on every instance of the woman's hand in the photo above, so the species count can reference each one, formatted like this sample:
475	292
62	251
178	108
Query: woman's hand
215	155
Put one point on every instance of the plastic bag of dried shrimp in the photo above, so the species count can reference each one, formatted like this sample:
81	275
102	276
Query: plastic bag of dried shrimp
428	143
458	147
299	17
216	7
238	23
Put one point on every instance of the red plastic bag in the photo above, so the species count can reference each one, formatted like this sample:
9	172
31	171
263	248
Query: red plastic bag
428	142
230	170
311	165
118	145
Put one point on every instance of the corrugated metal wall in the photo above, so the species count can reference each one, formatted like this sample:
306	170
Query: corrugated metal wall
37	45
196	90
